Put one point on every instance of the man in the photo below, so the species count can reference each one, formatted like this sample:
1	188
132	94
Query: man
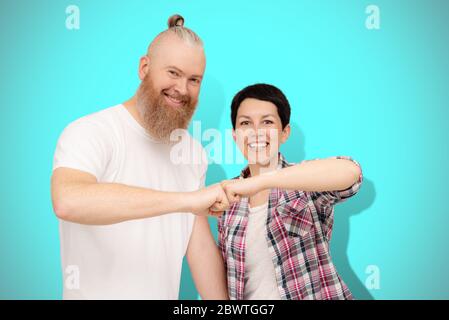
125	206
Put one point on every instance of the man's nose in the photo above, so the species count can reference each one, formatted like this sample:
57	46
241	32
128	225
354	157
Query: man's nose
181	86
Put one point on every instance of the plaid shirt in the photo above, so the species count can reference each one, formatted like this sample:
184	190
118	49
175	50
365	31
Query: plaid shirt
299	229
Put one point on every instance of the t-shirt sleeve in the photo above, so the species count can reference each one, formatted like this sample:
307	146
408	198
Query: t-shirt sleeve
204	164
84	145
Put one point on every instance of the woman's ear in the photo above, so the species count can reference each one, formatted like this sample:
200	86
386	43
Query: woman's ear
285	133
234	136
143	67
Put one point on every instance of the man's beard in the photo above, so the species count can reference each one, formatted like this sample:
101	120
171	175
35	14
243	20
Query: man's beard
159	118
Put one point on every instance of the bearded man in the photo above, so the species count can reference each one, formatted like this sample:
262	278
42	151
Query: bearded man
128	213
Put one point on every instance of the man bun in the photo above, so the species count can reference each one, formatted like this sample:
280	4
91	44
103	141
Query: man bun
175	20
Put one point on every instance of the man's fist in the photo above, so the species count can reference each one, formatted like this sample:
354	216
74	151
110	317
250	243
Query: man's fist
211	200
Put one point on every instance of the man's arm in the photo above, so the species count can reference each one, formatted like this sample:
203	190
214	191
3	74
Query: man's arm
206	263
78	197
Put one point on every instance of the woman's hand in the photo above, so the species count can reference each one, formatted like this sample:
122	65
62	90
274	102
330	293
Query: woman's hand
237	188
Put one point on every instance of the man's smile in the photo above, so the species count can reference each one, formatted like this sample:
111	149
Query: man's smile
173	100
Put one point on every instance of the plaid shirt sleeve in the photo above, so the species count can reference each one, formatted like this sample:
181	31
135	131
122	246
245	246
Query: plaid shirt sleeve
221	244
325	200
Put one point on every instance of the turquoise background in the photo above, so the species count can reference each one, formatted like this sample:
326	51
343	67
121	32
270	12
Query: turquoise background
380	96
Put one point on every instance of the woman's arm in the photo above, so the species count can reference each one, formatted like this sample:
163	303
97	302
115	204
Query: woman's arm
314	175
329	174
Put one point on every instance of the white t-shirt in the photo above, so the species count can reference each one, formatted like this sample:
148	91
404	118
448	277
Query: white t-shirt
137	259
260	276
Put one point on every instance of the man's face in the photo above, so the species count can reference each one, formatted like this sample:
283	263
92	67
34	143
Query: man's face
168	94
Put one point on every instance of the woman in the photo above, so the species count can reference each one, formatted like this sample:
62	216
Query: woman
275	238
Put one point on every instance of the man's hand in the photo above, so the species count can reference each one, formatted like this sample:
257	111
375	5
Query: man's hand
215	199
211	200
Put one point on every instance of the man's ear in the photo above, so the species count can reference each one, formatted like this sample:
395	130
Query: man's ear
143	67
285	133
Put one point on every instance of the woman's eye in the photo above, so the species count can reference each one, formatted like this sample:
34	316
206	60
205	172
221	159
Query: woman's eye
268	122
244	123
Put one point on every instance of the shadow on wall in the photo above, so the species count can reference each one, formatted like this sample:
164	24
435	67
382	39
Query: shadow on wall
294	151
340	239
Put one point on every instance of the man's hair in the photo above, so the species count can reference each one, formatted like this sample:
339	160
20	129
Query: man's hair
176	26
264	92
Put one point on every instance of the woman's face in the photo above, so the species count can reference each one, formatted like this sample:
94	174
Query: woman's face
258	131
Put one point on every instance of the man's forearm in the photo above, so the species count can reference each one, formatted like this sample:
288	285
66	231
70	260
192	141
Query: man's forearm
108	203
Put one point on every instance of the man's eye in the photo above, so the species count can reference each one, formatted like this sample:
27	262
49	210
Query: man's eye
195	81
173	73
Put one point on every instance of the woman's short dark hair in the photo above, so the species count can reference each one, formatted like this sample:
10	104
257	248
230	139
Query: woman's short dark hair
264	92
